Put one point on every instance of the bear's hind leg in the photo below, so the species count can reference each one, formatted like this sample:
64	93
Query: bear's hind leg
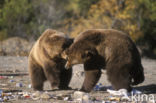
52	73
37	76
120	79
65	78
137	74
91	78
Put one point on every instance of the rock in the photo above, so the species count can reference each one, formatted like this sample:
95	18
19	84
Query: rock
125	98
5	98
29	86
36	94
78	95
11	77
19	85
12	81
1	99
82	97
45	96
114	98
85	99
66	98
97	88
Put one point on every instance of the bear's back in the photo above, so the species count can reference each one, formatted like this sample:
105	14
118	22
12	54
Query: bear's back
97	36
109	43
49	45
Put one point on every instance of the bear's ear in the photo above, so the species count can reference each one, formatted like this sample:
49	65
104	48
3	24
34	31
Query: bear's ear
90	53
71	40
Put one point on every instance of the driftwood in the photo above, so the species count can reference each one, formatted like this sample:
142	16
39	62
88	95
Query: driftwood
7	90
13	74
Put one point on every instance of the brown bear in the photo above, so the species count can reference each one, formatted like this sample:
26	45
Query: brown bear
45	61
107	49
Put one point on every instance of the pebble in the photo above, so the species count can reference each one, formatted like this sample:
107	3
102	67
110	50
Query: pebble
36	94
1	91
85	99
97	88
5	98
12	81
45	96
1	100
66	98
114	98
78	95
19	85
11	77
82	97
29	86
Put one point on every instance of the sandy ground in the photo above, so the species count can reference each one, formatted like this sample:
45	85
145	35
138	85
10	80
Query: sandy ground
18	65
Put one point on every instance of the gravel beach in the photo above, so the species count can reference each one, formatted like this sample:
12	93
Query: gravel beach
18	65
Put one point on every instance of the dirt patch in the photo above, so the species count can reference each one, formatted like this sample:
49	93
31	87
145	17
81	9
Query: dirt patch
18	65
15	46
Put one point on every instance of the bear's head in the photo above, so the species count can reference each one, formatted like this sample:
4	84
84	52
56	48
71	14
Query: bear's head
78	54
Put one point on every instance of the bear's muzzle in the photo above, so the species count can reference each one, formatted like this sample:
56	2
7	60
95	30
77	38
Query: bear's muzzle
67	66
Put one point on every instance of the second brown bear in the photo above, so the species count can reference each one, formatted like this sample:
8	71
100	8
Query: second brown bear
45	61
107	49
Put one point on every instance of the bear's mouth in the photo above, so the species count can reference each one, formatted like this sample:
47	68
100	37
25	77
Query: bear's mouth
64	56
67	65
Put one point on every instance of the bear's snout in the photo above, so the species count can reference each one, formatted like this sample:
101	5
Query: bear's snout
64	56
67	66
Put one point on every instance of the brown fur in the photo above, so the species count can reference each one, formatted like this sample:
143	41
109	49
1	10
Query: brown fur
45	61
108	49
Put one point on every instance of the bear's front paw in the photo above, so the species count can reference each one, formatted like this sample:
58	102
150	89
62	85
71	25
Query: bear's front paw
54	86
85	90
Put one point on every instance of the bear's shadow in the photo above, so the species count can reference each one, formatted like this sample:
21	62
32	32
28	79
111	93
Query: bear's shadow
147	89
61	90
